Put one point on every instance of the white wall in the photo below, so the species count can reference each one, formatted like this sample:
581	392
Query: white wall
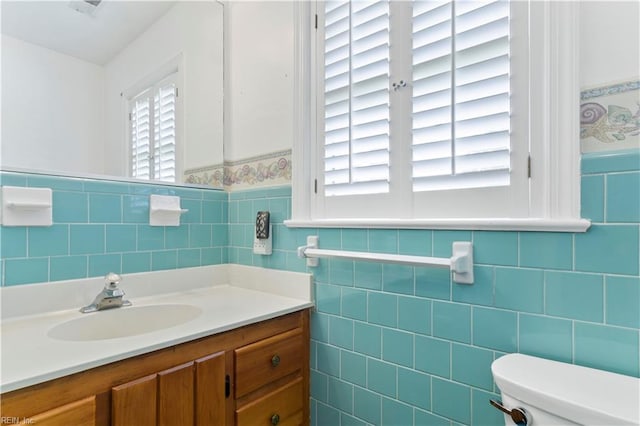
609	36
52	110
195	30
259	55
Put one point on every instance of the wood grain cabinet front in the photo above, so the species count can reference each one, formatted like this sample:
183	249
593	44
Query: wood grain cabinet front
282	407
268	360
270	381
78	413
189	394
253	375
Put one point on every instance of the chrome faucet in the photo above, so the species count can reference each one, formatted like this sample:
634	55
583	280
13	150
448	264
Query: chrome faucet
110	297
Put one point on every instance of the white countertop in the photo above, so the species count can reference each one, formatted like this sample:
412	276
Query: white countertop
235	296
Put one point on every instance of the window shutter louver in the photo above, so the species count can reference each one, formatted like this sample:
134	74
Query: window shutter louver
140	125
153	147
461	94
165	133
356	77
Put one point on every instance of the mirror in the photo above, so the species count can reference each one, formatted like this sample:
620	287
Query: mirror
84	88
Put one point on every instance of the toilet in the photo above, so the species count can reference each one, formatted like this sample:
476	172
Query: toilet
551	393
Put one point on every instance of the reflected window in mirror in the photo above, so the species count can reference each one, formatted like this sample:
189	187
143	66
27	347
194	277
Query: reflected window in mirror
67	79
152	130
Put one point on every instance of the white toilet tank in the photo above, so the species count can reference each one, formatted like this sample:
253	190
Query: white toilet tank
555	393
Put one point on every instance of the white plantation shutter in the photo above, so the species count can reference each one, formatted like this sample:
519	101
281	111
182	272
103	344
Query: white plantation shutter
461	94
356	97
140	127
165	132
153	147
452	142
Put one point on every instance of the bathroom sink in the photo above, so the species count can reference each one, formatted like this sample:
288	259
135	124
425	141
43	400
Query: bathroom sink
124	322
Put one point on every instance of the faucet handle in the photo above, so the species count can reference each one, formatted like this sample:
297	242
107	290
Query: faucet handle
111	280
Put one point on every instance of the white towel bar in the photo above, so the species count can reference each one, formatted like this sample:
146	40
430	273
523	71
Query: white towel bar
460	262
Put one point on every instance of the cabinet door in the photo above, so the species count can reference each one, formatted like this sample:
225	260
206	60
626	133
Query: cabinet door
79	413
185	395
176	396
134	403
210	390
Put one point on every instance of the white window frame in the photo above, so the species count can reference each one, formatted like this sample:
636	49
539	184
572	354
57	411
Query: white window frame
554	197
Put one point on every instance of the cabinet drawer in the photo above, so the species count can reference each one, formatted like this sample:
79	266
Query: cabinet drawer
282	407
267	360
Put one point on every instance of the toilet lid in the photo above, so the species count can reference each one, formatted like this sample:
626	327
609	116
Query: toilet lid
581	394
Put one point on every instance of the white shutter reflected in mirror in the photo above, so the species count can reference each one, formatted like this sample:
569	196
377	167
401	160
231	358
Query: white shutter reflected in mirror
153	147
165	132
140	125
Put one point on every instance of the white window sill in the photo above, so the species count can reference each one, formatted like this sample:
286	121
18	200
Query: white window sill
499	224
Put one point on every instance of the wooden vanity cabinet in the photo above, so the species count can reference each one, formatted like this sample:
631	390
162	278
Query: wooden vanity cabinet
253	375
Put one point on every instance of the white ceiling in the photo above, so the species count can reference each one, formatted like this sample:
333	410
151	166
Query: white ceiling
55	25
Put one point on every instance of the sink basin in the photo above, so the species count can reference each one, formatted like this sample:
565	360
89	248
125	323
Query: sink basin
123	322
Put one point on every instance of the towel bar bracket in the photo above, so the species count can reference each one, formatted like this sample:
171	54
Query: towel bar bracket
462	262
312	242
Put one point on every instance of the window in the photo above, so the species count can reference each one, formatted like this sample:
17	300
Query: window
152	130
450	114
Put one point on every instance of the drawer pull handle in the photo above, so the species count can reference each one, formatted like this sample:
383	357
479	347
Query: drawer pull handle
275	419
275	361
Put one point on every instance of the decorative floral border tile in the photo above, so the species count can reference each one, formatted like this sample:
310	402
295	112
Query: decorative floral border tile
609	90
209	176
610	117
265	170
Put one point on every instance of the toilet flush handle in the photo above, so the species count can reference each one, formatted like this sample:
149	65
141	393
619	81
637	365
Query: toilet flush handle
518	415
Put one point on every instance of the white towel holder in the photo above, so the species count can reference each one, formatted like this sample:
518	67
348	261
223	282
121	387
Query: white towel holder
460	262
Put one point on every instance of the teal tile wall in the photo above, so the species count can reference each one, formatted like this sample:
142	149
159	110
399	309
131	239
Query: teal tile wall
102	226
405	346
390	345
